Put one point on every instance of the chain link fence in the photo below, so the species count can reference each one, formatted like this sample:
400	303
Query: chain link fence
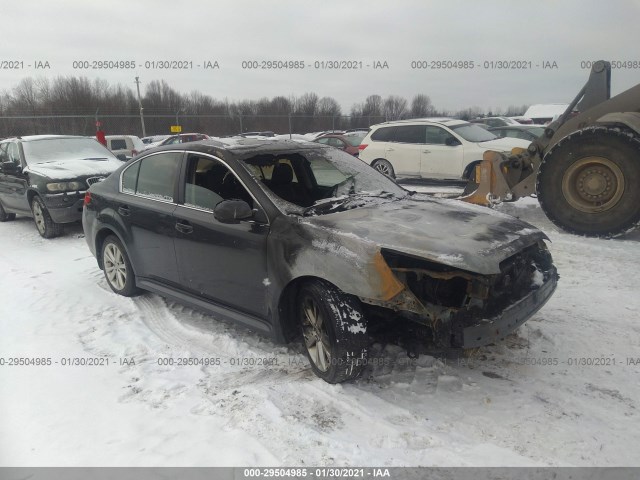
214	125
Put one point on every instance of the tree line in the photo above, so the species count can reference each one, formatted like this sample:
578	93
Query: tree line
70	105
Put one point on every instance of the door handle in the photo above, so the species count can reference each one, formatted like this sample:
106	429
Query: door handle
124	210
184	227
426	151
390	150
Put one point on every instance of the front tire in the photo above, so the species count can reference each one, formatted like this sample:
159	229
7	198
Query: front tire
589	182
117	267
384	167
45	225
334	331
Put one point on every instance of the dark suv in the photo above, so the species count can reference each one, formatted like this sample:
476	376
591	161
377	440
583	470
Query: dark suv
46	176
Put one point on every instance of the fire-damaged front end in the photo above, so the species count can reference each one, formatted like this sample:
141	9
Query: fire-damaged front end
469	274
467	309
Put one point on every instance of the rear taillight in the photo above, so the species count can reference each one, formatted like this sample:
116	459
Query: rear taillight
87	199
362	146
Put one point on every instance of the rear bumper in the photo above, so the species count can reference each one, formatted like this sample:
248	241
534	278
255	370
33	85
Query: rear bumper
65	208
494	329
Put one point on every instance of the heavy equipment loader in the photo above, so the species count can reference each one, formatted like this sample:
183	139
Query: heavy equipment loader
584	169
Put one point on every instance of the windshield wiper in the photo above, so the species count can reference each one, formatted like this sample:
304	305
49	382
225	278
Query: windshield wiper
95	158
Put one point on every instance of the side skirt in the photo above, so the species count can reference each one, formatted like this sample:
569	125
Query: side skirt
225	313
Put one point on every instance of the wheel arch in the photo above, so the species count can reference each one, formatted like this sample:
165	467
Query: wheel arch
628	120
102	234
287	305
31	192
468	170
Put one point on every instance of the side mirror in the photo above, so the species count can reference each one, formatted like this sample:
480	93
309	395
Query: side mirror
122	156
232	211
452	142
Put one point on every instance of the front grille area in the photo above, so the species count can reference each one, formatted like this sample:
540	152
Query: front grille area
92	180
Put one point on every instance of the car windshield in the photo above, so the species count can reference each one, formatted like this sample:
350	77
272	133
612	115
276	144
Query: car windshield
473	133
64	149
316	182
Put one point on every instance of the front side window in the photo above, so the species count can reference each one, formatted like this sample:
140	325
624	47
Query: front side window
157	175
437	135
208	182
13	153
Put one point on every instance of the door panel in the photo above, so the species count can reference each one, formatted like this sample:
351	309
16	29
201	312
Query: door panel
220	261
439	160
146	209
151	229
226	263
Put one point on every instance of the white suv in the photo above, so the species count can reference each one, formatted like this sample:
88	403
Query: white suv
129	145
439	148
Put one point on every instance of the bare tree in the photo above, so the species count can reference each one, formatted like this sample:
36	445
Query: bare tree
421	106
395	107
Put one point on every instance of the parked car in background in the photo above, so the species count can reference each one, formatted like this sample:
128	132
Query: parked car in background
268	133
495	121
348	142
154	139
301	240
46	176
522	120
430	148
542	114
180	138
524	132
127	145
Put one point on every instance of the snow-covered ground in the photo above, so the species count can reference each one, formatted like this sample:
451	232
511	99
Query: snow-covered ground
564	390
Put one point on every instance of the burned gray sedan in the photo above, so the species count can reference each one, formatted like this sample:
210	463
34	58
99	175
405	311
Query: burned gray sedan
297	239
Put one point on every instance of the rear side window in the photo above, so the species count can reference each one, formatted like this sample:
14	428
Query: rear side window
157	175
410	134
130	178
118	144
384	134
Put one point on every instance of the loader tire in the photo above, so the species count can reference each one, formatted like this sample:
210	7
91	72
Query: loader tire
589	182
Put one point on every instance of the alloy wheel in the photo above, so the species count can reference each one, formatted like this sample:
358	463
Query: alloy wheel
38	216
115	266
315	334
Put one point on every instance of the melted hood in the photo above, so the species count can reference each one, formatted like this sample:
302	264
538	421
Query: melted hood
449	232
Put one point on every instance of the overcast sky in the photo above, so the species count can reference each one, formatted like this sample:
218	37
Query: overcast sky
396	31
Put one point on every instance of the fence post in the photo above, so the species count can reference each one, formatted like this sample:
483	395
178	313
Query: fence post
290	131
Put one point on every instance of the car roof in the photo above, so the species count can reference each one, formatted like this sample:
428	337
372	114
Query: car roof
120	136
241	145
446	121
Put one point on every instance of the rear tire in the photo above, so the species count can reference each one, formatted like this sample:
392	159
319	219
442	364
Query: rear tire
384	167
117	267
334	331
589	182
45	225
6	217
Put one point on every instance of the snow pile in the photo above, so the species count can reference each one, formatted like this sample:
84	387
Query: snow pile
182	388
